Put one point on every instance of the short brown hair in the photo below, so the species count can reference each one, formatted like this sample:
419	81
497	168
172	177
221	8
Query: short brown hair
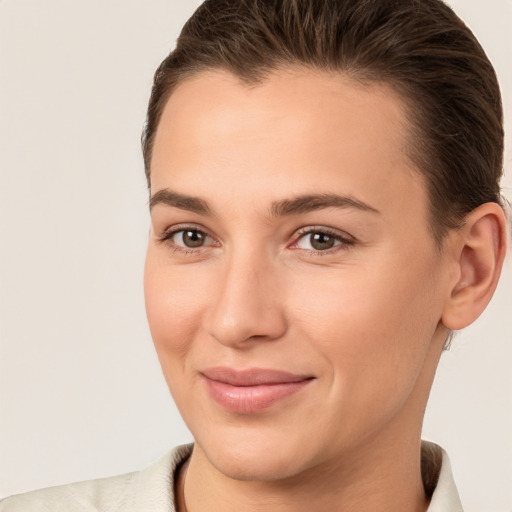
419	47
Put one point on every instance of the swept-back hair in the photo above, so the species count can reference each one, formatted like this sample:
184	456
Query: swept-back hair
418	47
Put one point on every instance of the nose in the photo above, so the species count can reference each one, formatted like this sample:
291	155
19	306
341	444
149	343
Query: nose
245	306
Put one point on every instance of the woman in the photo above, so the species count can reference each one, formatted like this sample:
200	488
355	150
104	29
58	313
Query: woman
325	208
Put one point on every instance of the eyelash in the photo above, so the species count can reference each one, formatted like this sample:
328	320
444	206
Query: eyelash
345	241
169	234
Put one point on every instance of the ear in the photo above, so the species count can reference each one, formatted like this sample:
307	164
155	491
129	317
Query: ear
480	250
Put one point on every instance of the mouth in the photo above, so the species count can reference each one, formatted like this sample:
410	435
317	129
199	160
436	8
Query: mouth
252	390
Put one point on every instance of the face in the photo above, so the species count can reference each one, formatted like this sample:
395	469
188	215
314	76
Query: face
293	289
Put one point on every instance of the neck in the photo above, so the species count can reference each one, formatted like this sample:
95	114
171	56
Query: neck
380	478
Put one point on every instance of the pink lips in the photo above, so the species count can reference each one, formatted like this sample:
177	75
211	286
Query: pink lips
249	391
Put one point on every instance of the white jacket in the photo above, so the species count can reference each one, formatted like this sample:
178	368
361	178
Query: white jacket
152	490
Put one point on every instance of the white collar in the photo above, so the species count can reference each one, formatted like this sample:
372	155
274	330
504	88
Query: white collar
445	497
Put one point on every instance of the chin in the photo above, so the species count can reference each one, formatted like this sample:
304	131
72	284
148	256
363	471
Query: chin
258	457
260	467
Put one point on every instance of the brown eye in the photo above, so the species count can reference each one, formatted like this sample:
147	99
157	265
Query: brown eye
321	241
190	238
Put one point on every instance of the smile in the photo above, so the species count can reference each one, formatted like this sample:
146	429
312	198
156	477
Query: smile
251	391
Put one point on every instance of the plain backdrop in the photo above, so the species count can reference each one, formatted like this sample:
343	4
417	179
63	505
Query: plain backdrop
81	392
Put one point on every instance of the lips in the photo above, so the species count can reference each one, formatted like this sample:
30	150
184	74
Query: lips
252	390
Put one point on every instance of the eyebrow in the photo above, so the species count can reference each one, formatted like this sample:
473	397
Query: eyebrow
295	206
312	202
189	203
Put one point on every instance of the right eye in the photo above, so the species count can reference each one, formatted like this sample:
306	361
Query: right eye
189	238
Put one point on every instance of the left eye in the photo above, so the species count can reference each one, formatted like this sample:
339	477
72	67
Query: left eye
319	241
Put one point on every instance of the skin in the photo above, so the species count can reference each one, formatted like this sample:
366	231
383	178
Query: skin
366	318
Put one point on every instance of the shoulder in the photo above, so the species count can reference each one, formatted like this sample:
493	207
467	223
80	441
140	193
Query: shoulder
101	494
149	489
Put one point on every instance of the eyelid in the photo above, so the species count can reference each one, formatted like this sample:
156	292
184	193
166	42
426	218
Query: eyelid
346	240
169	233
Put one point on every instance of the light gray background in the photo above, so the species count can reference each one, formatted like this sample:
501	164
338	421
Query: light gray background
81	392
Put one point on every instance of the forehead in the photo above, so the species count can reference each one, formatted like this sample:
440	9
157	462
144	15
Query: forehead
307	103
298	131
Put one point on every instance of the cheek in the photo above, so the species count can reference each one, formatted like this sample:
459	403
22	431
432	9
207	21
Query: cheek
362	302
372	324
173	308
